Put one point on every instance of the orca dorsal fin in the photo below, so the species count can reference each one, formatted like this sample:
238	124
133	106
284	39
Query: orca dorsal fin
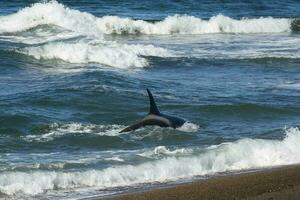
153	108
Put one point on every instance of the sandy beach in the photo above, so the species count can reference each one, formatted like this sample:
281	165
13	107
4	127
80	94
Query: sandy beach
279	183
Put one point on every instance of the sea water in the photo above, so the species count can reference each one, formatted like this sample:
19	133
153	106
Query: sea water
75	73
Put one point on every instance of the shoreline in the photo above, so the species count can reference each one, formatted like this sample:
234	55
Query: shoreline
275	183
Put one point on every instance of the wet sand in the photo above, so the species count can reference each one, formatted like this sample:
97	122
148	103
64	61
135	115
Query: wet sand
280	183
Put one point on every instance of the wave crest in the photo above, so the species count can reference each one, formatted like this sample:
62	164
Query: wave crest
79	37
53	13
240	155
111	54
183	24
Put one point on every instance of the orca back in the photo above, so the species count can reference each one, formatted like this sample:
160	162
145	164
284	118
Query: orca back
154	117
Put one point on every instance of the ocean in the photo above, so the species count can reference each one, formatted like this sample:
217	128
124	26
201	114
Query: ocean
73	74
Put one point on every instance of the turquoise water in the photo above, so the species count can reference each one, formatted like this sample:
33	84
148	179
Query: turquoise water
75	73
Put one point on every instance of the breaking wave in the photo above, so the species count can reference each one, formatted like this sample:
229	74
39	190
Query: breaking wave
239	155
53	12
79	37
111	54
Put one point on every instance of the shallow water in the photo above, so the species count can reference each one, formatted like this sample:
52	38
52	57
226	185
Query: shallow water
74	73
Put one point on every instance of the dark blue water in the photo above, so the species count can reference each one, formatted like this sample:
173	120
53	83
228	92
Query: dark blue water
75	73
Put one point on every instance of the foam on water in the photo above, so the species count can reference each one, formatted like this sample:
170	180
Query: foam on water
60	130
291	85
240	155
57	130
115	158
62	160
40	36
50	37
183	24
189	127
107	53
53	13
164	151
242	54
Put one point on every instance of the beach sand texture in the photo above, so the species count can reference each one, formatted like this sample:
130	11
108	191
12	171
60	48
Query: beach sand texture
280	183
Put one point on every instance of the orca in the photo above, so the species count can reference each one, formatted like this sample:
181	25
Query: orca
155	118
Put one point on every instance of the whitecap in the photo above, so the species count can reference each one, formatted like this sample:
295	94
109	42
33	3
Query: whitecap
53	12
243	154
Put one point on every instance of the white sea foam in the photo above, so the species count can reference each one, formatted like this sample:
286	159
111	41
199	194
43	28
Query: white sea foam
182	24
40	37
294	86
57	130
60	130
107	53
115	158
53	12
59	160
41	24
244	53
164	151
241	47
189	127
240	155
